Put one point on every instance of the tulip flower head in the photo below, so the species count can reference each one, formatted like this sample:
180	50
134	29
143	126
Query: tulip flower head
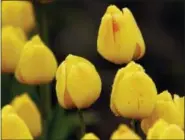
171	110
133	93
13	41
90	136
78	83
119	38
28	111
37	64
18	14
124	132
163	131
13	127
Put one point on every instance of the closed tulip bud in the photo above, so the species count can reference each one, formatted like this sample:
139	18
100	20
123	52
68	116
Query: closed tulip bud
124	132
119	38
162	130
37	64
13	127
133	93
172	111
13	41
78	83
90	136
18	14
28	111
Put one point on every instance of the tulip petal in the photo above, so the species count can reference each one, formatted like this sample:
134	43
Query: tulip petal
83	84
14	128
37	64
28	111
157	129
136	95
172	132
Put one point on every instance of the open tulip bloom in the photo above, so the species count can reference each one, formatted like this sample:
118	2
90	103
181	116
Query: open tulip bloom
31	67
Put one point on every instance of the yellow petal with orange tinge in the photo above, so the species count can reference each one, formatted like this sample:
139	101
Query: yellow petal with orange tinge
37	64
18	14
13	41
90	136
78	83
124	132
119	38
28	111
173	132
61	84
14	128
158	128
135	95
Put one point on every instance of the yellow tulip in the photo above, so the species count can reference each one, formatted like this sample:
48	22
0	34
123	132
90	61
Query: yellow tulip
124	132
133	92
164	131
172	111
13	41
28	111
90	136
13	127
18	14
119	38
37	64
78	83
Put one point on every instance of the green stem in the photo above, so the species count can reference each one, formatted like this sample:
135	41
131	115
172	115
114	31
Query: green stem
45	97
82	122
133	124
44	27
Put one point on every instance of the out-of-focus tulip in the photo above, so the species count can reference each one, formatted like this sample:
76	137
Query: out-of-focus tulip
133	92
124	132
172	111
78	83
13	127
90	136
119	38
28	111
164	131
37	64
18	14
13	41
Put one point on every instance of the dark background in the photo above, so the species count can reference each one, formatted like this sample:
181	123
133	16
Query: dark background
73	27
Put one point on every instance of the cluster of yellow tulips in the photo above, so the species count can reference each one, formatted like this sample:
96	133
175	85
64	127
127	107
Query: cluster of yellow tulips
78	84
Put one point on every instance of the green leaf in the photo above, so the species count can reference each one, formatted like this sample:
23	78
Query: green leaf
64	123
6	80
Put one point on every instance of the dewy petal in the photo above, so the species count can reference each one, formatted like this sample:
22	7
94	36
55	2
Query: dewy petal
13	127
83	85
172	132
28	111
136	95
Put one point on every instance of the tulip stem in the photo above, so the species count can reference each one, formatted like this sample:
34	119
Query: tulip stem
133	124
82	122
45	98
